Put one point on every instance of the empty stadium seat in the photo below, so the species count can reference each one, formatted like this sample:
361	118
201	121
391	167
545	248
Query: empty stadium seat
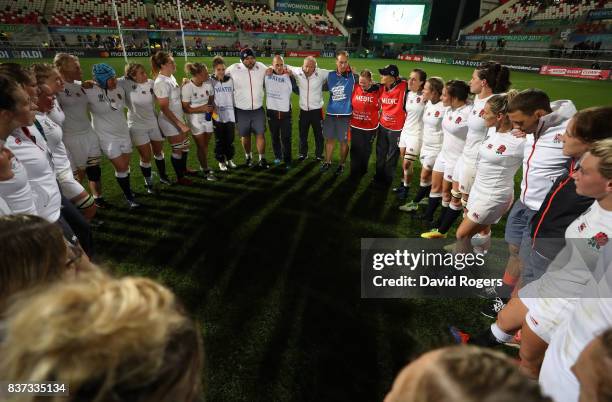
255	17
197	15
21	11
99	13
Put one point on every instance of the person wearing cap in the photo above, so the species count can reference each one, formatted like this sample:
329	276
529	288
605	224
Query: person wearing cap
310	79
248	77
392	118
364	122
279	87
339	110
107	103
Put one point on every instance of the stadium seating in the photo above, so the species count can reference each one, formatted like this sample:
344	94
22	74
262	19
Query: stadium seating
321	25
259	18
197	15
99	13
513	19
21	11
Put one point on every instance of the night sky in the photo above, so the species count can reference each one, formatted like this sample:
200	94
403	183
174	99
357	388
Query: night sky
442	16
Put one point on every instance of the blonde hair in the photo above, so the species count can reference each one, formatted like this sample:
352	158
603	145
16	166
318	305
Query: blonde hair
499	103
194	68
603	150
110	339
33	253
131	69
42	71
470	374
61	60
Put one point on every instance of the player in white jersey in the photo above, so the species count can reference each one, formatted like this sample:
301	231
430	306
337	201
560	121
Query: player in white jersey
411	137
433	114
15	111
198	97
69	186
487	79
542	305
81	141
168	94
500	157
107	104
49	76
443	189
142	122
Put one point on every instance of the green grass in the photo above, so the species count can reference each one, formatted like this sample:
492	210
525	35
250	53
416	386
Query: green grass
268	262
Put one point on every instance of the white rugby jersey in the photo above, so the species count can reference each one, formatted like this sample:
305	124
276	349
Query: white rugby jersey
433	114
16	191
500	157
108	117
278	92
37	161
140	101
543	160
224	99
248	85
477	130
454	126
591	316
57	114
53	134
311	88
167	87
73	101
585	237
413	125
196	96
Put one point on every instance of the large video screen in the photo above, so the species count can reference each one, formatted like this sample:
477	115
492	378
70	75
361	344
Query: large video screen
398	19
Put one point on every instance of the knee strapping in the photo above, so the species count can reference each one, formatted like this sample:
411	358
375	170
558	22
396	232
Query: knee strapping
85	202
186	144
464	203
94	161
456	194
410	157
93	173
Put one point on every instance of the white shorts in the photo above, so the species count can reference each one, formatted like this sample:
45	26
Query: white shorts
545	313
166	127
484	210
199	124
114	147
411	143
428	159
466	177
82	147
69	186
144	136
445	166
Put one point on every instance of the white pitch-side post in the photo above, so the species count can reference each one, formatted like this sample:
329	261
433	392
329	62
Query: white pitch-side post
178	4
120	34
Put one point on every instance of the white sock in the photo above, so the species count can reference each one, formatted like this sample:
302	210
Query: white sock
261	156
500	335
